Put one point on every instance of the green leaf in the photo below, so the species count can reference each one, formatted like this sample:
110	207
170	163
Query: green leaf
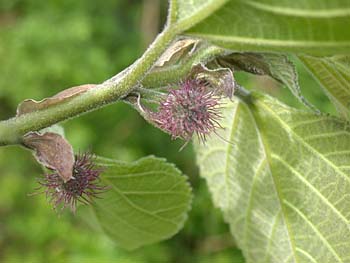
275	65
283	184
147	202
184	14
333	74
309	26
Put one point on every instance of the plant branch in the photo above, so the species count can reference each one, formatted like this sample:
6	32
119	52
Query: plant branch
12	130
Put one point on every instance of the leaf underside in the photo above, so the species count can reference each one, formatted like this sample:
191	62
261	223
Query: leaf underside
283	185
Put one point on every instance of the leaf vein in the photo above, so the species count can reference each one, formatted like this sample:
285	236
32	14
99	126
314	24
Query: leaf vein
310	186
325	241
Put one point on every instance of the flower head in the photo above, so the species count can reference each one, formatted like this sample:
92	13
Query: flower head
191	109
82	187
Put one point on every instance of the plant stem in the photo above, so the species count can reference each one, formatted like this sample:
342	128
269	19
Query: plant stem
12	130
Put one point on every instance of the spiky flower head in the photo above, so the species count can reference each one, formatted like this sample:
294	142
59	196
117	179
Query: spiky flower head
83	187
191	109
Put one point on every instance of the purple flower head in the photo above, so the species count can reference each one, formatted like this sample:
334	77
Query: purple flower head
191	109
82	187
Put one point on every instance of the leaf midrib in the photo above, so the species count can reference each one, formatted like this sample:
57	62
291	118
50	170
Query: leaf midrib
266	152
279	194
296	136
274	42
132	204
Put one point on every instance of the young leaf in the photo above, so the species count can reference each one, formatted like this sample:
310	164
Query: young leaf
333	73
310	26
283	184
147	201
275	65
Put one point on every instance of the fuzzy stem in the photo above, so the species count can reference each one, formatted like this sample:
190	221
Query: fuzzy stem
12	130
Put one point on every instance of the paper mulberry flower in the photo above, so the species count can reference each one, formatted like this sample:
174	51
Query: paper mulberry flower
82	187
191	109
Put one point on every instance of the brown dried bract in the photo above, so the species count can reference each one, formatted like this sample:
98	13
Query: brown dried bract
176	51
30	105
52	151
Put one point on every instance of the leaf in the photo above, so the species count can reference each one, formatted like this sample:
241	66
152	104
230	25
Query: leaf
283	184
30	105
184	13
333	74
147	202
301	26
275	65
52	151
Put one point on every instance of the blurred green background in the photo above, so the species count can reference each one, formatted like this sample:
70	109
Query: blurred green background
47	46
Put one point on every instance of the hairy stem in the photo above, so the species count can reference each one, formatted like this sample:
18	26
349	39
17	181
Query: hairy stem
12	130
